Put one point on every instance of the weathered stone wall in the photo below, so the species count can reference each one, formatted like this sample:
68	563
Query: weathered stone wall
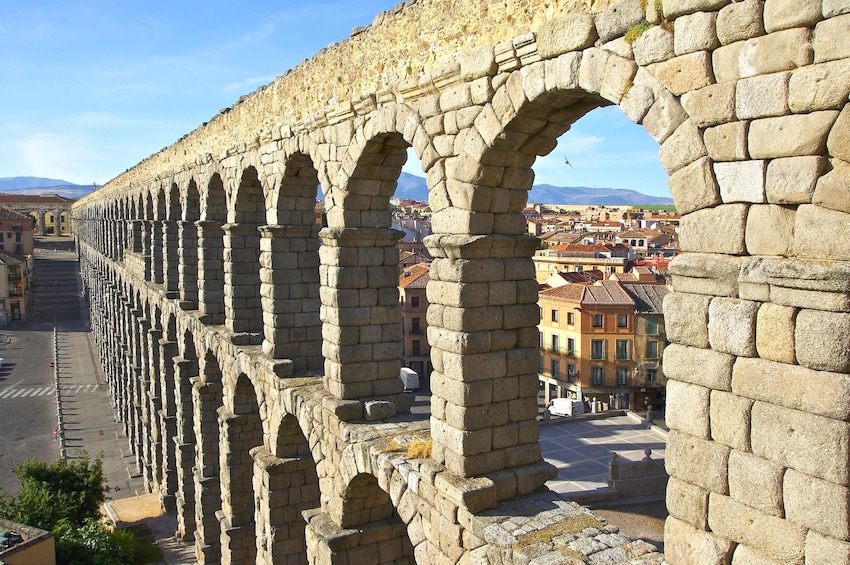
748	101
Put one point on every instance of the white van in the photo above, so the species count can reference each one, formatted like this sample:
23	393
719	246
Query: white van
410	378
565	407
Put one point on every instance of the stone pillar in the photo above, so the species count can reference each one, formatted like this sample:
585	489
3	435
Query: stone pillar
135	238
243	311
238	435
155	230
283	487
168	424
483	318
170	262
57	225
289	271
362	328
206	398
211	272
146	248
187	252
42	223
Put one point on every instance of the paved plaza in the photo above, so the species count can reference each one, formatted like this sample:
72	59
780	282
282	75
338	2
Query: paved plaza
581	449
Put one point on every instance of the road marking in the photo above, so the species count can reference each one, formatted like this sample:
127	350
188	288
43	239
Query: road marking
23	392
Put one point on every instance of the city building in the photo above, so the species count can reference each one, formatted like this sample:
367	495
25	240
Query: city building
648	386
413	303
608	258
587	342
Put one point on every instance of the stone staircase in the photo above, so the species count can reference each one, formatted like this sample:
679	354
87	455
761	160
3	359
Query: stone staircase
54	289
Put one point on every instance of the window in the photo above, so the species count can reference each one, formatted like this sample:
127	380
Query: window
622	320
414	302
571	347
622	376
571	372
542	364
597	376
597	349
555	343
554	315
18	237
556	367
541	313
597	320
624	349
652	376
652	325
652	350
415	327
541	341
417	347
571	318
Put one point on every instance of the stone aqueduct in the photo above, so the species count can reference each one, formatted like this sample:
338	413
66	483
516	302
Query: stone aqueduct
253	356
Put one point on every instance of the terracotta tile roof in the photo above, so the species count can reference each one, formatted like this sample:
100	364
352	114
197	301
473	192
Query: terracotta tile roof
598	293
9	214
35	199
416	276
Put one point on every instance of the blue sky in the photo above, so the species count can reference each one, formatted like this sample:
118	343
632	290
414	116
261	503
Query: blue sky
90	88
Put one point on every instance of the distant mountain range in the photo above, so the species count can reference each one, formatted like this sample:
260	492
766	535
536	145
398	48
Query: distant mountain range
409	186
38	185
415	188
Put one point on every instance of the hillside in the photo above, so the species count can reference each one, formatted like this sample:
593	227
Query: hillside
415	188
39	185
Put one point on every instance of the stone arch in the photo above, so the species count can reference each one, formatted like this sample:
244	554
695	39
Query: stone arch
289	269
187	246
187	374
211	251
240	431
207	398
365	510
286	486
170	240
160	203
242	303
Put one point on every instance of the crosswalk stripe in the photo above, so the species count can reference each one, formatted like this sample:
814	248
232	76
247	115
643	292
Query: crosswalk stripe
23	392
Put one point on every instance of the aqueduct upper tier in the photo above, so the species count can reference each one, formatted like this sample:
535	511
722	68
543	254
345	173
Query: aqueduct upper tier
253	355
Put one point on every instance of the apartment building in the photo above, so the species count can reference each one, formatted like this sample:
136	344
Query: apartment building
413	303
587	342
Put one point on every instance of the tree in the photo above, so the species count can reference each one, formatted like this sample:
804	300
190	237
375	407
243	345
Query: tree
65	499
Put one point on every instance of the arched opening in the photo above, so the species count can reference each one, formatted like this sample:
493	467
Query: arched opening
170	241
289	270
242	304
211	252
596	221
287	486
161	205
187	372
187	235
362	327
241	430
365	511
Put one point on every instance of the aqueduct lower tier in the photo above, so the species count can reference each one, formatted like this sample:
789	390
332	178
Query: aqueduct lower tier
253	356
